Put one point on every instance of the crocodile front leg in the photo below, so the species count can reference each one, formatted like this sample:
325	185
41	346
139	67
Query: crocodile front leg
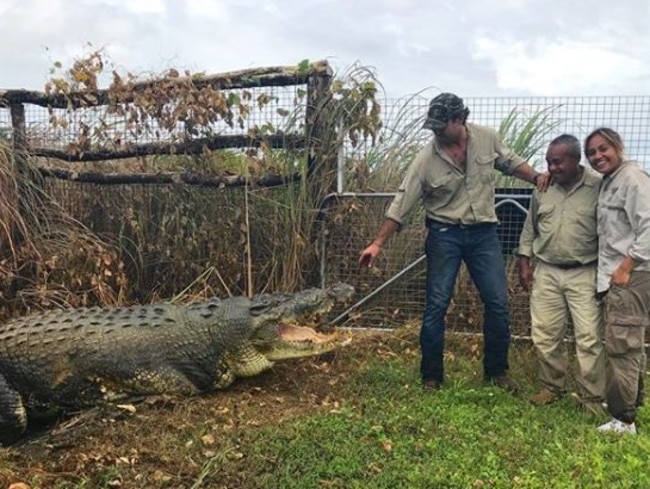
250	362
246	362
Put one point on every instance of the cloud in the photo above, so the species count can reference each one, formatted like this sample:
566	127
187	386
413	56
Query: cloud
206	10
562	66
478	47
135	6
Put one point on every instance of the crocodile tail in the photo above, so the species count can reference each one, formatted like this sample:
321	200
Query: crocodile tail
13	416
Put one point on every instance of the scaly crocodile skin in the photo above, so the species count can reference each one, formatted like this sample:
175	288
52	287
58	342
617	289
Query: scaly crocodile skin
80	357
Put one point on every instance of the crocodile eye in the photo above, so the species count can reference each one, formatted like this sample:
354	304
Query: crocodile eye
258	308
262	303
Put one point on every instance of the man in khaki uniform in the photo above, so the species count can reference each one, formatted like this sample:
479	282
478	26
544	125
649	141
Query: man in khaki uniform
453	177
560	235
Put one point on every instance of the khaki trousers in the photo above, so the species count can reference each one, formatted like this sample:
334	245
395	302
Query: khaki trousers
557	296
627	315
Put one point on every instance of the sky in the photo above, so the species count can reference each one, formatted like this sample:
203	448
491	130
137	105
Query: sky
471	47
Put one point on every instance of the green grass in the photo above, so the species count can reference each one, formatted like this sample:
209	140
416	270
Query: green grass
390	434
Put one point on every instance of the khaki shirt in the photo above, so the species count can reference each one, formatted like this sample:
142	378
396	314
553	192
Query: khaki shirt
450	195
623	221
560	228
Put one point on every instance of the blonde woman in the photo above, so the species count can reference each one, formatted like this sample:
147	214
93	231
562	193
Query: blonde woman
623	273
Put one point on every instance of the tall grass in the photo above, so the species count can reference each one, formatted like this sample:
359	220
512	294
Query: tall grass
526	136
48	258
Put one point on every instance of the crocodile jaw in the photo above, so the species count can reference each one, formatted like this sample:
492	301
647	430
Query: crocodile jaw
295	341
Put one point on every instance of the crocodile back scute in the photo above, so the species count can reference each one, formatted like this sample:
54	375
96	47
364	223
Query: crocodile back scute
57	351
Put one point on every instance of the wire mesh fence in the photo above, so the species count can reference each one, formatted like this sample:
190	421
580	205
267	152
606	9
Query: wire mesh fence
268	110
393	291
629	115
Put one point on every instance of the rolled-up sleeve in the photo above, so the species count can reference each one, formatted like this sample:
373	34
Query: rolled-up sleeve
507	160
529	230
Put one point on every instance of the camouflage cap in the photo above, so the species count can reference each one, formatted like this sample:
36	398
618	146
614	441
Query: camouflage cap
442	109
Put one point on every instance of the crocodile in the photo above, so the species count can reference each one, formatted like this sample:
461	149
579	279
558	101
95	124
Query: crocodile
75	358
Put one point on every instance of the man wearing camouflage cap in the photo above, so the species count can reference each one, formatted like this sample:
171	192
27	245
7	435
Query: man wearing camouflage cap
452	176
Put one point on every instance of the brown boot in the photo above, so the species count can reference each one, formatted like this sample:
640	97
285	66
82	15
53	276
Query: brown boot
503	382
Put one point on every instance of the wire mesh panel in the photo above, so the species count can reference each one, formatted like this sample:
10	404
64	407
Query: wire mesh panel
392	291
629	115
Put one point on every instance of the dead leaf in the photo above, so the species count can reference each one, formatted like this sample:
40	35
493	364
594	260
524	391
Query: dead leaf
130	408
208	439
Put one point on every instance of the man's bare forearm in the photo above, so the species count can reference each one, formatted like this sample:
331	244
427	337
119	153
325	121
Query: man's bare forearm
527	173
387	229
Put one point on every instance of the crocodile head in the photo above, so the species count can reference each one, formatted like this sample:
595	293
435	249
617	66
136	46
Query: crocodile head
277	336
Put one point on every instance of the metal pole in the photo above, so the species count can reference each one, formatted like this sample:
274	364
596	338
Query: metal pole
345	314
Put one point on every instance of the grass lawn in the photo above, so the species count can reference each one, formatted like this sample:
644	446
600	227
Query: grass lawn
387	433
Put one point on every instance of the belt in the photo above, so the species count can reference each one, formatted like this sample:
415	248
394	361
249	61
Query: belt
570	266
433	223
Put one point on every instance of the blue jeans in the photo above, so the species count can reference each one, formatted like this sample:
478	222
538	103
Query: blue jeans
478	246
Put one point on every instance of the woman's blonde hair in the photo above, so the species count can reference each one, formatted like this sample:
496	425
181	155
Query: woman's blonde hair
609	135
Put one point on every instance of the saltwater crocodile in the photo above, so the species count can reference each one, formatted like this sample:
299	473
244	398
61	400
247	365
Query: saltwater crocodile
81	357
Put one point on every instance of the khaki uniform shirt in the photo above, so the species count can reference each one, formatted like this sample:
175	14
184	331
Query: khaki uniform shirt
450	195
560	228
623	221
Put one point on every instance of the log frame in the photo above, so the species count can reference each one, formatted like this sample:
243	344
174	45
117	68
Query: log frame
317	76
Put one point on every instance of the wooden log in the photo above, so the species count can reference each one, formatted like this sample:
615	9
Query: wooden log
249	78
169	178
19	131
321	152
19	137
194	147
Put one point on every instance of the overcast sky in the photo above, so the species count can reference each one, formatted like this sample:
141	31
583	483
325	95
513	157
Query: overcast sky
471	47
